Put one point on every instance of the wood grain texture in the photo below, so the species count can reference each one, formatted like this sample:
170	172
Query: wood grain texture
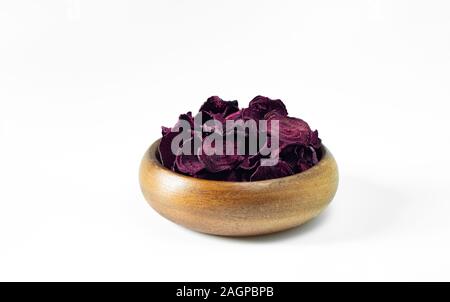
238	208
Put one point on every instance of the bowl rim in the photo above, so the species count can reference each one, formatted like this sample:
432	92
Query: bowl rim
150	155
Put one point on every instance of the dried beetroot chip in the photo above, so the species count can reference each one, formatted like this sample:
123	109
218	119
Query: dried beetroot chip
314	158
189	164
234	116
215	105
271	115
214	116
232	107
188	118
250	162
308	158
251	114
292	131
266	149
204	174
291	154
207	129
239	175
248	166
310	155
281	169
246	175
216	162
234	175
165	148
315	140
304	166
165	130
262	105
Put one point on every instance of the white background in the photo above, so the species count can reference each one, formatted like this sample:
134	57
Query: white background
86	85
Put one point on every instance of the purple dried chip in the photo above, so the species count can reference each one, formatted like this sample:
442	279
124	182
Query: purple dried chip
234	175
293	131
262	105
315	140
250	162
215	105
250	114
304	166
188	118
165	130
281	169
290	154
165	148
234	116
218	163
189	164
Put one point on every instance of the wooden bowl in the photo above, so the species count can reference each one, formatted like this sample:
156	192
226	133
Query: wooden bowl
238	208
